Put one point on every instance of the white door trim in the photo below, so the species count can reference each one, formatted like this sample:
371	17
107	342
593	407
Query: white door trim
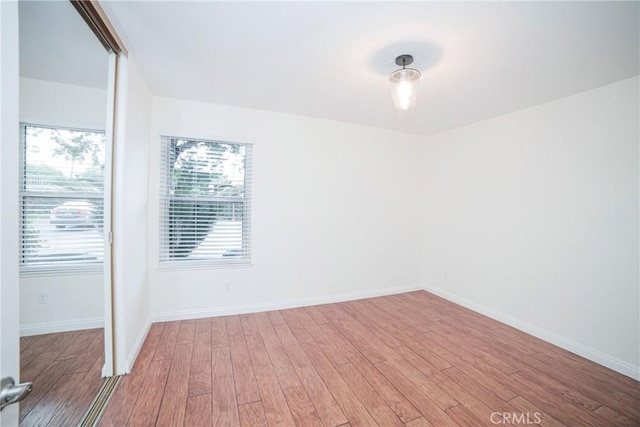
117	200
9	155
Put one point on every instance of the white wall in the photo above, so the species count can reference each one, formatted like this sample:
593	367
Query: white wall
333	212
532	217
131	293
74	301
58	104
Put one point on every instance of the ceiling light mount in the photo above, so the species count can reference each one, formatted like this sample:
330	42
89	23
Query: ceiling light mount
404	83
404	60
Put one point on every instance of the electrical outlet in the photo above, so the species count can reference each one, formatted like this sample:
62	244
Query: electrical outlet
227	286
445	276
43	298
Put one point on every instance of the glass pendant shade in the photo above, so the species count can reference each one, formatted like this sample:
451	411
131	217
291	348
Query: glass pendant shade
404	87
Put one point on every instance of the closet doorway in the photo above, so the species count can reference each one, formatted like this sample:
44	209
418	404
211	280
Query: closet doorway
67	95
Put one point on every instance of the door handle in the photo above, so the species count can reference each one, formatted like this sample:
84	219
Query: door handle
12	393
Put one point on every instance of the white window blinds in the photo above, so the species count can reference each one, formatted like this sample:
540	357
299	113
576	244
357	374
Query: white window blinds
61	195
205	201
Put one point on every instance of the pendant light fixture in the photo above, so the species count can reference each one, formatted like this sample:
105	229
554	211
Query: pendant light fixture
404	84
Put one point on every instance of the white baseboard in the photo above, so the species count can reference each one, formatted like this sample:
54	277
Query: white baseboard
279	305
133	354
562	342
64	326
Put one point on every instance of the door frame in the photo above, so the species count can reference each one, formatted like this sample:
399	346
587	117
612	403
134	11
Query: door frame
9	143
108	367
114	328
115	358
115	349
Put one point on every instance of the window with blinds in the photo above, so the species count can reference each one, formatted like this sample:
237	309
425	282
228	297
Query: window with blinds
61	199
205	202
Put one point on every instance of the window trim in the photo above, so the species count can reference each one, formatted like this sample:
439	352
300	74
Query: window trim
163	206
50	269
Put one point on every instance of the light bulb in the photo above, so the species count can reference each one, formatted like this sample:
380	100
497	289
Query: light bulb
404	87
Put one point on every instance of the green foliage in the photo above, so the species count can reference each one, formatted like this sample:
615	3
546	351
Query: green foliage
46	171
190	225
42	175
91	179
76	146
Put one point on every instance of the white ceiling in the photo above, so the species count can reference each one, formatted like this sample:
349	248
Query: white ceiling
57	45
332	59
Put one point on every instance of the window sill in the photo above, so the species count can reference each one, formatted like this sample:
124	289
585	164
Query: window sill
204	265
47	271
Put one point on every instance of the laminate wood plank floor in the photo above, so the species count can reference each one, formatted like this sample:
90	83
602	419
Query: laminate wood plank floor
66	371
411	359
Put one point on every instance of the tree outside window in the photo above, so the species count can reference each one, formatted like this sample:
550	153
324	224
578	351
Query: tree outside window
206	204
61	191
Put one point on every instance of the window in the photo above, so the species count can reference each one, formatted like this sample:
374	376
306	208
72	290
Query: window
61	199
205	201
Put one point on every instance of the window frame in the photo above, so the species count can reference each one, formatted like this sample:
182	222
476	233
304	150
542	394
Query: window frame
164	198
27	269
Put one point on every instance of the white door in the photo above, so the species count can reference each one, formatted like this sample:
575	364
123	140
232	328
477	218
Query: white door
9	334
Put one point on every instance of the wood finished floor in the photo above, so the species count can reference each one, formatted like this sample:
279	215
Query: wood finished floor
66	370
411	359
